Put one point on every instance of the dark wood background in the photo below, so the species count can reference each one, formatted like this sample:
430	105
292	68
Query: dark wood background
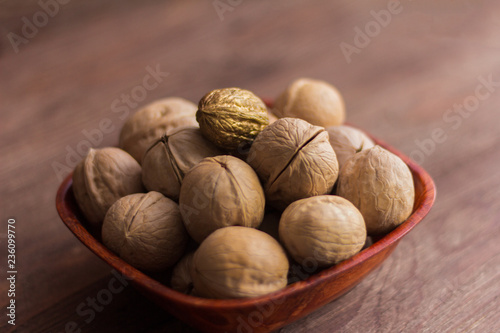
407	83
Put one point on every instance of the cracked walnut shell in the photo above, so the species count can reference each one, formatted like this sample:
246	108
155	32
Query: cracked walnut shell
381	186
294	160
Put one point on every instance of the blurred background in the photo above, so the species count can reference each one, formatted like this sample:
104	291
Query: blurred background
423	76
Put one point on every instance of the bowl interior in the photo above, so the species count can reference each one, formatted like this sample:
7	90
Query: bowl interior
73	219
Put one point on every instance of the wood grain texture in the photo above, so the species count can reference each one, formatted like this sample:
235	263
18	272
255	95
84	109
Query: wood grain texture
443	277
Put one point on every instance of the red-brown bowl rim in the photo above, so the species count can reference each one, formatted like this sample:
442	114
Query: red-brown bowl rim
153	286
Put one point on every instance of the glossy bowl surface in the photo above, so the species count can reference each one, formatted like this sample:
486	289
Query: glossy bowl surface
272	311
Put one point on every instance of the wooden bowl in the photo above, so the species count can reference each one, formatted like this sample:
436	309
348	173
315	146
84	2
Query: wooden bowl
272	311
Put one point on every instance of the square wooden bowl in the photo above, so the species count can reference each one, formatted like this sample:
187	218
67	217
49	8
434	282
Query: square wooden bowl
272	311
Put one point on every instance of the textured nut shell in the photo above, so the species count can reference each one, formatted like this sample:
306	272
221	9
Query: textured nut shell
219	192
181	275
381	186
148	124
326	228
231	117
315	101
145	230
237	262
170	158
102	177
294	160
346	141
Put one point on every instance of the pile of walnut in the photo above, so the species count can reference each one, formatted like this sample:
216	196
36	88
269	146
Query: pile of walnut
251	188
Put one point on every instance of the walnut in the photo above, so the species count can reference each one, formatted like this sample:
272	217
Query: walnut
181	275
218	192
326	228
231	117
294	160
381	186
148	124
145	230
102	177
237	262
347	141
315	101
171	157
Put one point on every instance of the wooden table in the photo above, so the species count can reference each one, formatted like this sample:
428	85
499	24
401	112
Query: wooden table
421	75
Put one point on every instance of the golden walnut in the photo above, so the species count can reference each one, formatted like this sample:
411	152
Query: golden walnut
145	230
236	262
347	141
381	186
102	177
148	124
231	117
315	101
326	228
171	157
294	160
218	192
